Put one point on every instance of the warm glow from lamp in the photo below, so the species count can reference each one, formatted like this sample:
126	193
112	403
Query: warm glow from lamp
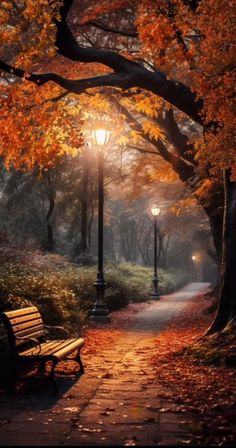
101	136
194	257
155	211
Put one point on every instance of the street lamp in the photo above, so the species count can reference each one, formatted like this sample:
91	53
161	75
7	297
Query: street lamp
155	294
100	311
193	270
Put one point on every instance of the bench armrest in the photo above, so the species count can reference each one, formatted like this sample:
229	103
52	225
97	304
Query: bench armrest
57	327
36	342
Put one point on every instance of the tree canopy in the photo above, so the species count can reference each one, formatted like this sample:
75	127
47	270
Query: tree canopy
173	49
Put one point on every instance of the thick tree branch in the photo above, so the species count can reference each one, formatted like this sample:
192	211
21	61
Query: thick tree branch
121	80
175	93
69	48
127	73
184	170
144	151
175	136
103	27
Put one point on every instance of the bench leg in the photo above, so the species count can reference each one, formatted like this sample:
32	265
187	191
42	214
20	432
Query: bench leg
41	367
51	377
78	359
11	376
10	385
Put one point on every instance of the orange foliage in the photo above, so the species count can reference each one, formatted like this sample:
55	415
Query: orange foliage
163	27
105	6
33	129
215	80
195	47
198	49
28	26
206	391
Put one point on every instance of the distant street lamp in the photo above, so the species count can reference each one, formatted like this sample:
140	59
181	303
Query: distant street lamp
100	311
193	258
155	294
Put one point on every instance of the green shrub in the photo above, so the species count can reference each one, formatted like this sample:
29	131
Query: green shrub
65	293
139	280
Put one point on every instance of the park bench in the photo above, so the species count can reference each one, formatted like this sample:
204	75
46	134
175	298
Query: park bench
29	346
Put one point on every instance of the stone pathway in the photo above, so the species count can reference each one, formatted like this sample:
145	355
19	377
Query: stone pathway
116	402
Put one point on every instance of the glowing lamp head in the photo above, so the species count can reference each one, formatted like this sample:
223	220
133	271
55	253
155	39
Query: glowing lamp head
101	136
155	211
193	257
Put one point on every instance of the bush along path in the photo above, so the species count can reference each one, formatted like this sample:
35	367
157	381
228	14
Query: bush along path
135	390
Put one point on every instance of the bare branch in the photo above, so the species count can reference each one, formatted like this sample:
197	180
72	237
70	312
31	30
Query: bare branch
137	148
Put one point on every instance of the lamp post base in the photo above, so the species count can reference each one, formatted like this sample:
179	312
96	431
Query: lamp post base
100	318
100	312
155	294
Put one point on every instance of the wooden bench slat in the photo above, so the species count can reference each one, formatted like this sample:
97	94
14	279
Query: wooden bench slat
37	334
53	348
61	354
27	325
46	347
21	312
22	319
31	331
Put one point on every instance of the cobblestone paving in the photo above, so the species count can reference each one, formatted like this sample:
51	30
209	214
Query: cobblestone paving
116	402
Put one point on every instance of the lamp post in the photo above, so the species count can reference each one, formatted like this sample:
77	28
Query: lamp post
100	311
193	258
155	294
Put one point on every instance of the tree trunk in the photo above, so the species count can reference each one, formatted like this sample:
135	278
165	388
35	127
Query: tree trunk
50	179
84	225
216	225
160	242
226	312
83	246
90	224
164	252
50	241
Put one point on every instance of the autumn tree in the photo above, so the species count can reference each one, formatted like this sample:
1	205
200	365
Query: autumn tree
172	49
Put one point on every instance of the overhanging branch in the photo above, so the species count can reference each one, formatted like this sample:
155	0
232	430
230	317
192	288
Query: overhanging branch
103	27
147	151
127	73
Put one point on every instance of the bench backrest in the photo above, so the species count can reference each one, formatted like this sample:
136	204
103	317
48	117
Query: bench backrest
23	323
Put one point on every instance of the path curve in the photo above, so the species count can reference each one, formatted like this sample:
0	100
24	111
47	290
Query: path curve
116	403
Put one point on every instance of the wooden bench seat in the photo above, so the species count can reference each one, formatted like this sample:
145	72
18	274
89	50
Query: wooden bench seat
28	343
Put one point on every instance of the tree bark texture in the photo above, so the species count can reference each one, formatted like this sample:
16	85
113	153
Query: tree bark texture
226	312
50	240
